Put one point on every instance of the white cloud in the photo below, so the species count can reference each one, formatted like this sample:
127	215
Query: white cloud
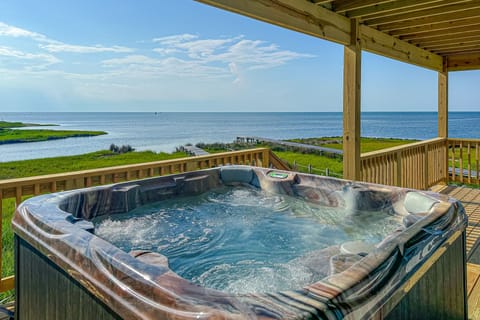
62	47
130	60
174	39
171	66
158	69
12	31
249	54
54	46
186	55
40	60
166	51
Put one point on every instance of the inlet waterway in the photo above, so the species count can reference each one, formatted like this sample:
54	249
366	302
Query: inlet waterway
163	131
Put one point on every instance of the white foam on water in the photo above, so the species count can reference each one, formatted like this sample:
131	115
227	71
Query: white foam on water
241	239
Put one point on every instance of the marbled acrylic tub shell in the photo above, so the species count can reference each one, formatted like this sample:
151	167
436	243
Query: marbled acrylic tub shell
140	285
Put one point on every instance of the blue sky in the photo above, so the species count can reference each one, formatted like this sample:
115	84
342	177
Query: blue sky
181	55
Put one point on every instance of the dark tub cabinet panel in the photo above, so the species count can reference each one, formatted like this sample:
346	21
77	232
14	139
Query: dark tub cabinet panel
440	293
44	292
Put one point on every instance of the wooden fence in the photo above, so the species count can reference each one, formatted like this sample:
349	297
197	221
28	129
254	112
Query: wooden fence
463	161
418	165
19	188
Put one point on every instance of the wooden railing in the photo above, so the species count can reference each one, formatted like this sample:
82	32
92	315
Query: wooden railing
418	165
463	160
19	188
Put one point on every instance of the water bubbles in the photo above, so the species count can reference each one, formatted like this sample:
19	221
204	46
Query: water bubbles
241	239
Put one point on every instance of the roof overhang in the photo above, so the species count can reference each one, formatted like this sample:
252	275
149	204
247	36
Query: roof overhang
441	35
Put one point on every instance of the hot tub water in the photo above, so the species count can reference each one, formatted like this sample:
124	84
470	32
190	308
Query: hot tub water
242	239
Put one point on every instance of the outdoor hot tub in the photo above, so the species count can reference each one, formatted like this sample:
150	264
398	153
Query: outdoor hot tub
240	242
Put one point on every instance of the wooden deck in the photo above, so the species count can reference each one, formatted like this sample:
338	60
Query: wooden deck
470	199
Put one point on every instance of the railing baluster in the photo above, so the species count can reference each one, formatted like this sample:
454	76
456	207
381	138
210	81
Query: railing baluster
453	162
36	189
460	159
425	167
469	164
477	162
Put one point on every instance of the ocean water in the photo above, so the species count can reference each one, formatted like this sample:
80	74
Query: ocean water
165	131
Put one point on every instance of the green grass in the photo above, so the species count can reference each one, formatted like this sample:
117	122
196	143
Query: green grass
366	144
305	158
8	206
26	168
318	163
99	159
6	124
18	136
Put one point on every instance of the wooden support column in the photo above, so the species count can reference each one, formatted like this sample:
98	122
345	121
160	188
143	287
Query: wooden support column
351	105
443	115
443	103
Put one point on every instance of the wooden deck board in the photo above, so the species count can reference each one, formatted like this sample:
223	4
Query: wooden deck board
470	199
473	291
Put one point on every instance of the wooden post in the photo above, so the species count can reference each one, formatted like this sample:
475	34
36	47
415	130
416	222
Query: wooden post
443	113
443	104
351	105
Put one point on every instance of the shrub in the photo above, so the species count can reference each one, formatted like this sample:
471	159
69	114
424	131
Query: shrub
123	149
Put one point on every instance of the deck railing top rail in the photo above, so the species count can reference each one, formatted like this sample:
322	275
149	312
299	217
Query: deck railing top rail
17	189
7	183
404	147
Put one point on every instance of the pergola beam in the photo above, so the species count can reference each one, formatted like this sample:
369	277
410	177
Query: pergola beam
445	17
463	62
453	9
302	16
312	19
435	27
393	8
380	43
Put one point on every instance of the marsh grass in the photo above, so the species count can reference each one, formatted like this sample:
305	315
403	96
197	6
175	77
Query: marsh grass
7	124
8	206
8	136
36	167
366	144
99	159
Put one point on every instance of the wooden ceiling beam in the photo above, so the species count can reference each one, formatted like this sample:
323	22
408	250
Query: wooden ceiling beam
463	62
440	42
445	34
464	45
444	11
452	51
400	6
297	15
380	43
341	6
435	27
440	18
315	20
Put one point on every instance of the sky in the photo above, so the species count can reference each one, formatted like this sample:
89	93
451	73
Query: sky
159	55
